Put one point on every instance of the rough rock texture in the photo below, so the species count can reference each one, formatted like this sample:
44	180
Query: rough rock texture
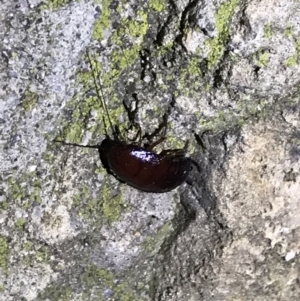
226	73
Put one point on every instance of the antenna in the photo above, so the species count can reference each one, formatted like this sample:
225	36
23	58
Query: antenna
100	95
76	144
132	113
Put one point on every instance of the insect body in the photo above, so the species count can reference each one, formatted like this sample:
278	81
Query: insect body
143	169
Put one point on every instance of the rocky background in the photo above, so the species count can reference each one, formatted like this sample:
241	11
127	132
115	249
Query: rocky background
228	74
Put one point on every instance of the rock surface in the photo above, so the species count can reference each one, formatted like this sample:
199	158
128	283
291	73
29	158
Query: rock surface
227	73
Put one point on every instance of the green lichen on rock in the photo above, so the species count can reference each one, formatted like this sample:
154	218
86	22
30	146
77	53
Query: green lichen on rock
157	5
175	142
43	254
4	205
74	129
87	207
293	60
74	134
153	243
28	246
55	4
20	223
258	109
4	251
29	100
108	207
268	30
191	77
288	32
66	294
262	58
17	189
104	20
121	60
113	205
33	252
54	293
25	189
103	279
229	119
217	44
135	27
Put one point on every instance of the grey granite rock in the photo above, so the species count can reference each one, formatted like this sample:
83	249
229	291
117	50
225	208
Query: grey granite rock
227	72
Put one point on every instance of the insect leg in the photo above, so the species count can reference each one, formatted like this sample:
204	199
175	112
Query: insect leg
179	152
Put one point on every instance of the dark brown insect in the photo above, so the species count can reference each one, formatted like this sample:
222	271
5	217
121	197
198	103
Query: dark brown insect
138	166
143	169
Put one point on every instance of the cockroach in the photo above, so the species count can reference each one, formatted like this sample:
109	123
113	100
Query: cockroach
137	166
